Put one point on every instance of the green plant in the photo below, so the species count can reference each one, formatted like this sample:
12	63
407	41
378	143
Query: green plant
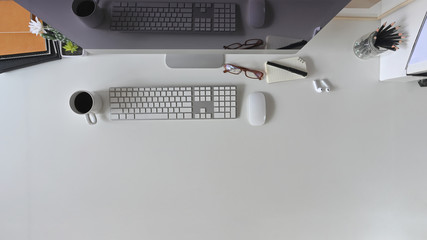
50	33
53	34
70	47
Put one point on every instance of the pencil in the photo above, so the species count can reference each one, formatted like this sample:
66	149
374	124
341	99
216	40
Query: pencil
387	37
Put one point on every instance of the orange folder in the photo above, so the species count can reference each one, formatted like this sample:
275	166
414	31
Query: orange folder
15	35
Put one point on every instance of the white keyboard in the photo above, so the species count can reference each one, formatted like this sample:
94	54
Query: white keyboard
145	103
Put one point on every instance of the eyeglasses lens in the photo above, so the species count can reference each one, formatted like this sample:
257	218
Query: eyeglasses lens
251	43
232	69
233	46
254	75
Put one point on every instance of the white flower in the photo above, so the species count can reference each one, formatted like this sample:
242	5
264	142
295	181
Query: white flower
36	27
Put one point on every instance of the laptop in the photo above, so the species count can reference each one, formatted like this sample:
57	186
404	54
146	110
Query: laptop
417	62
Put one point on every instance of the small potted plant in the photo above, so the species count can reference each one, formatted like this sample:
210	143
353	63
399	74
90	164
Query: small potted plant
71	49
68	47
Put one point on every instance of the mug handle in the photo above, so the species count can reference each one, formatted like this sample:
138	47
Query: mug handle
91	118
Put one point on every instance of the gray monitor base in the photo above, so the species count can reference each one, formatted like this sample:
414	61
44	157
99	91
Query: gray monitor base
195	60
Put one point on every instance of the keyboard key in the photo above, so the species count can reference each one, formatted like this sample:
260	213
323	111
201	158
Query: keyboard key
218	115
151	116
113	111
153	4
233	113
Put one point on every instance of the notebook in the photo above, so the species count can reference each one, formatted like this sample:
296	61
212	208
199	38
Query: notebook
15	35
285	69
17	63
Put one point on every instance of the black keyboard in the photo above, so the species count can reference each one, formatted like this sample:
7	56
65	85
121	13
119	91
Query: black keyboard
173	17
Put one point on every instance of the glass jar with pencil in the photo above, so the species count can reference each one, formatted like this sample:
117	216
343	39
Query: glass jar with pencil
383	39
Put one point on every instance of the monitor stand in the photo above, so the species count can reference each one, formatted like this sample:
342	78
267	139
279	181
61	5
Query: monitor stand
195	60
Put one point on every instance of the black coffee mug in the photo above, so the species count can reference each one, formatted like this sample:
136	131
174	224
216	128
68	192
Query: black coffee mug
86	103
88	12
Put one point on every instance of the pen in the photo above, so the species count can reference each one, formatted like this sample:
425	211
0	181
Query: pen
293	70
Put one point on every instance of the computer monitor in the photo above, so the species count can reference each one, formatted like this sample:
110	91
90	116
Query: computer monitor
417	62
285	20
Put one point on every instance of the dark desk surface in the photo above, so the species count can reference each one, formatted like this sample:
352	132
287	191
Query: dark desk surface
288	18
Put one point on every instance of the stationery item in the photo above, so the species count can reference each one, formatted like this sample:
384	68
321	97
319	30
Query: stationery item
374	43
16	63
364	47
286	69
15	37
29	54
388	37
293	70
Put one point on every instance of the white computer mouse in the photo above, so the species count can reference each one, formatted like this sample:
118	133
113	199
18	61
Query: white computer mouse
256	13
256	109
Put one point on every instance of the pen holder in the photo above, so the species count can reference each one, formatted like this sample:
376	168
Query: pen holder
365	48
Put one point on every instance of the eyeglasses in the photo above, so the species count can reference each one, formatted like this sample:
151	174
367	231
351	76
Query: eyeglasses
251	43
233	69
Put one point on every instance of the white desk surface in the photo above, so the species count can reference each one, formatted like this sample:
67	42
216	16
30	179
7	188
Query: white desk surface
350	164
